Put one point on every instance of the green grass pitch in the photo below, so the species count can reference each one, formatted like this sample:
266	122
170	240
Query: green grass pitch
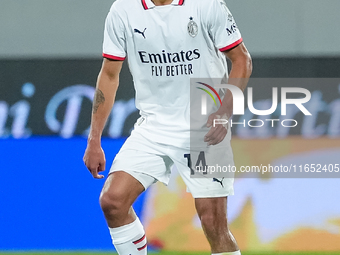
165	253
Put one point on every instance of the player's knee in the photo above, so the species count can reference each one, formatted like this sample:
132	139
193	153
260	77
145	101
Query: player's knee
113	204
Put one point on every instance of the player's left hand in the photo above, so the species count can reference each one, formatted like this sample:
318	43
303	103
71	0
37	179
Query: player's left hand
216	133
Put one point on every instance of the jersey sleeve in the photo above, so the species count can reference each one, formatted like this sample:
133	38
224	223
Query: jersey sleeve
114	44
222	26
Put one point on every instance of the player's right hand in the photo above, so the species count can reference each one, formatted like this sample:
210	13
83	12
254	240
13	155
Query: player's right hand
94	159
216	133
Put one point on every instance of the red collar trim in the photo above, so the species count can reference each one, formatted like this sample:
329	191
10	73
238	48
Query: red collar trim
148	4
144	5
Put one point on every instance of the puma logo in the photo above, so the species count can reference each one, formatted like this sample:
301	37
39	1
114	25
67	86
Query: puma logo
220	181
139	32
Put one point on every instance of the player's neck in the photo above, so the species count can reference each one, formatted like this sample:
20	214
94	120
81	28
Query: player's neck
161	2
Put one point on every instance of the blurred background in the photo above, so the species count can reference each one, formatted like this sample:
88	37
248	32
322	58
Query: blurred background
50	56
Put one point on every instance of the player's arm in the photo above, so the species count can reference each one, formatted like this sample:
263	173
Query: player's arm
106	88
241	69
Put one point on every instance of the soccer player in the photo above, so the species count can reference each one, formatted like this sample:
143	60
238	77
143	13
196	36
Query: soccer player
166	42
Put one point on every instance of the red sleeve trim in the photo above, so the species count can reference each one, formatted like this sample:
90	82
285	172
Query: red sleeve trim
180	2
233	45
113	57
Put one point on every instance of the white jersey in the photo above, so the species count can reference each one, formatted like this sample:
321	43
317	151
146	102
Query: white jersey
166	46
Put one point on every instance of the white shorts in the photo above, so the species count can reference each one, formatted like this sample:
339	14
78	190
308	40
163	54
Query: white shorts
149	162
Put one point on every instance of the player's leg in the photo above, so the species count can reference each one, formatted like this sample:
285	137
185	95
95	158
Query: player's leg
211	205
118	194
143	165
213	215
210	193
